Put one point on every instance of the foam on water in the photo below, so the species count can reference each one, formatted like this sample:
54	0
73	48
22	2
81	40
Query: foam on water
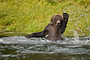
24	40
21	46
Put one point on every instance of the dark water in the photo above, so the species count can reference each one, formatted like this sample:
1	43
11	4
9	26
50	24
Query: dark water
21	48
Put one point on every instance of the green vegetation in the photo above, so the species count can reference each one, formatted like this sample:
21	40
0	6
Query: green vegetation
33	15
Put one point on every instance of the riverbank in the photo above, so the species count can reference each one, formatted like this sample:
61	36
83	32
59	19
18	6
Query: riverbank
33	16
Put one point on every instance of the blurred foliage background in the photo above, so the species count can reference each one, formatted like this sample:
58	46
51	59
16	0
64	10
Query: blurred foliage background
33	15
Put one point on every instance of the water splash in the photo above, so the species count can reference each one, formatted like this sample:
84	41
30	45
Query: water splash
76	37
18	46
24	40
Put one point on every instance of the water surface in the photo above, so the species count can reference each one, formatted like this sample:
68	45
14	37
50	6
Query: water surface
21	48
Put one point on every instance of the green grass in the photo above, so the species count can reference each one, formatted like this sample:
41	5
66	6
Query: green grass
33	15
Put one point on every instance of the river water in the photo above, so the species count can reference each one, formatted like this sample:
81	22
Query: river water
21	48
